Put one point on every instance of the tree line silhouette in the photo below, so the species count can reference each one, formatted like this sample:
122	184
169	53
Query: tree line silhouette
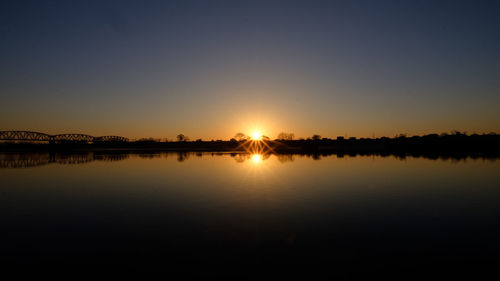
454	142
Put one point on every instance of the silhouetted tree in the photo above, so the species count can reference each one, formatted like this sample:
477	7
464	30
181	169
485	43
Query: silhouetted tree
286	136
240	136
181	137
316	137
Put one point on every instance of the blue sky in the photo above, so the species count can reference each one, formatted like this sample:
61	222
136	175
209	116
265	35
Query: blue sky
210	69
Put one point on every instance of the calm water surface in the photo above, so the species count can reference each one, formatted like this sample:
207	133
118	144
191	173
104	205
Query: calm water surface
249	216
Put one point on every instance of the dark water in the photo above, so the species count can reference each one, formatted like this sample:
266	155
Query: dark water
235	216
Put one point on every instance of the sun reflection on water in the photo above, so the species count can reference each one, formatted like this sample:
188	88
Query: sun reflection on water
256	158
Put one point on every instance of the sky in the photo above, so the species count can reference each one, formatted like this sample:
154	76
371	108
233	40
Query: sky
210	69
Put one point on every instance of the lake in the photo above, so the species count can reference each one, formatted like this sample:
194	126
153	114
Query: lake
244	216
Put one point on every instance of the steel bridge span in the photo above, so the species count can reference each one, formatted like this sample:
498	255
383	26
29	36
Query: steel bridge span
29	136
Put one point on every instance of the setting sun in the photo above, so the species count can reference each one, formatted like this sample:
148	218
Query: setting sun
257	135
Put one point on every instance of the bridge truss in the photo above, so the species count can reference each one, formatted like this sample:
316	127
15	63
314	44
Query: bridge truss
27	136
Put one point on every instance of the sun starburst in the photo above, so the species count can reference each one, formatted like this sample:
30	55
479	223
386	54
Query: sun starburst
257	136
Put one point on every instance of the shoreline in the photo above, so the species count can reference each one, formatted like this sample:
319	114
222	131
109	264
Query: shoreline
319	148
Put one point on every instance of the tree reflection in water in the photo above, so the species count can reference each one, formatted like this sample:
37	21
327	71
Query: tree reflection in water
257	154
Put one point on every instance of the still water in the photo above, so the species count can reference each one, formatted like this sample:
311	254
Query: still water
243	216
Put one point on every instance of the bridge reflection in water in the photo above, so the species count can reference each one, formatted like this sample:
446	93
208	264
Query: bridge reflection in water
27	160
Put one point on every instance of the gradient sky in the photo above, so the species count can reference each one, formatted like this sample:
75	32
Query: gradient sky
210	69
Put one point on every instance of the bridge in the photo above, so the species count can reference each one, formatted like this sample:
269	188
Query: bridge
29	136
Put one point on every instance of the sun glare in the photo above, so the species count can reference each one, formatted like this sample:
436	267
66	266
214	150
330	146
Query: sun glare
257	135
